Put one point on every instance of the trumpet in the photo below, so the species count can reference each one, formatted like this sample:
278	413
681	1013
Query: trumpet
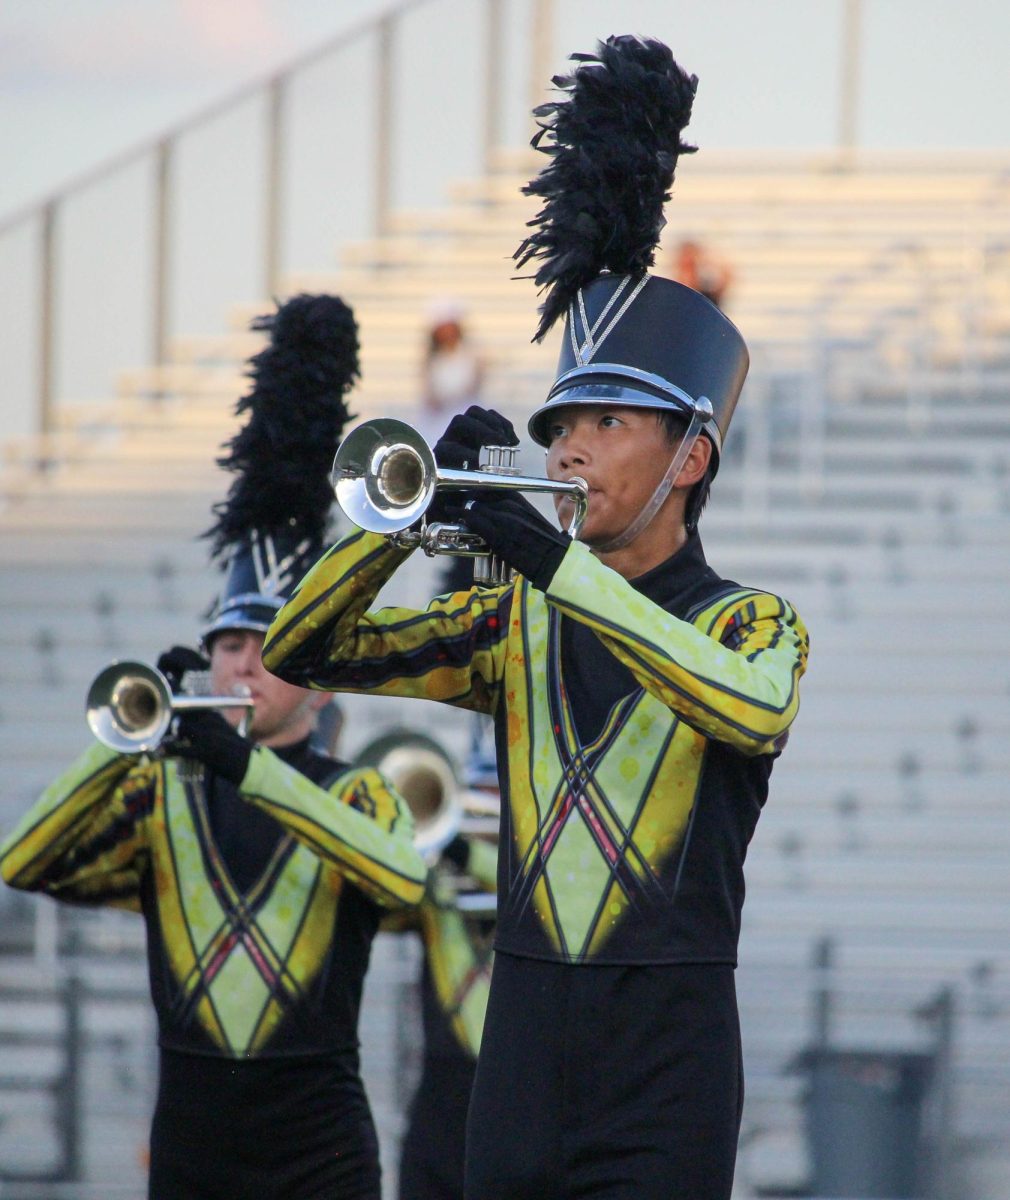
384	477
426	777
130	706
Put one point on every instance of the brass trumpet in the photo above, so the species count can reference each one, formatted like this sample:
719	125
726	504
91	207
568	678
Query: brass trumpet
130	706
385	477
425	776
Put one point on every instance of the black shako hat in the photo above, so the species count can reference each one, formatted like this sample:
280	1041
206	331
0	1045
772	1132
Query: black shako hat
647	343
613	141
271	527
261	576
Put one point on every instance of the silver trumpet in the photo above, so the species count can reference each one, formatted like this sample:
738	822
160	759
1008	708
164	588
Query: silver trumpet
427	778
385	477
130	706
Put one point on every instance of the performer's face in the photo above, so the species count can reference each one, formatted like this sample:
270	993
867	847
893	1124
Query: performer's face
283	713
622	453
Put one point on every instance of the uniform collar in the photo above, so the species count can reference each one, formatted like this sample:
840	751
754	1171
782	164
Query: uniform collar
293	752
674	582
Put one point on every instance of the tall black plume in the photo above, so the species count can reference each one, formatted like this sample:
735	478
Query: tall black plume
297	411
614	139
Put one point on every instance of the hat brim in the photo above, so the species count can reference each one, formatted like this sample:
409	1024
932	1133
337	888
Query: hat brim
251	612
609	383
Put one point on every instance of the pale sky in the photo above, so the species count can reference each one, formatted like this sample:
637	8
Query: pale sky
81	80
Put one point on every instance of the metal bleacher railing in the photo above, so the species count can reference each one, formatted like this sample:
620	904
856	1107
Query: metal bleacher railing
384	45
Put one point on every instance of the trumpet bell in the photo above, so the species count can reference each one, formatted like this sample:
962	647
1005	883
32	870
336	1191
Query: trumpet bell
425	779
384	475
425	776
129	707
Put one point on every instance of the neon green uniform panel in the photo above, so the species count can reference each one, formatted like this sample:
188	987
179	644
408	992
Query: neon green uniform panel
625	841
273	967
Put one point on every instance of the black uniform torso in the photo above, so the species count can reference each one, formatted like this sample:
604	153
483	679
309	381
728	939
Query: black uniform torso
292	1123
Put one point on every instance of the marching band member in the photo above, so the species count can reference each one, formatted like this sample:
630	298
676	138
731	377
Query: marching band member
639	699
263	878
456	926
455	981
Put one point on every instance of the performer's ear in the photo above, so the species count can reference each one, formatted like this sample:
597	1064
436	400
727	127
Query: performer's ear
698	459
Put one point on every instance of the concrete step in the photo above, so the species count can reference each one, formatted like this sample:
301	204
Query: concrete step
786	832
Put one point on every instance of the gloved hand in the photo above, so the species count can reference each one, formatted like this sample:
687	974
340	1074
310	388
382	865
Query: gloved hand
205	735
460	446
459	449
174	663
517	533
457	852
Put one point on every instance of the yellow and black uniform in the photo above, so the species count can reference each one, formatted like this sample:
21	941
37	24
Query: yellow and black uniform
455	982
261	902
636	726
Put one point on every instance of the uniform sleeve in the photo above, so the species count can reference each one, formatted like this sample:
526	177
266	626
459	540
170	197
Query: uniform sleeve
461	976
482	864
325	637
360	825
736	679
482	867
85	840
401	920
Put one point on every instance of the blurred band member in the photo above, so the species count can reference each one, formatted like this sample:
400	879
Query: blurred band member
261	866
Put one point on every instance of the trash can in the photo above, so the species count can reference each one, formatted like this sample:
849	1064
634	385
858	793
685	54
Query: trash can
863	1112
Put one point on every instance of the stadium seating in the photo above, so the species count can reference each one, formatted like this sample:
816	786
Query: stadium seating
867	478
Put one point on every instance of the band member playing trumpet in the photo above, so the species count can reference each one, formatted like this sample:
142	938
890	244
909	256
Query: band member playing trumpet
454	986
639	699
261	877
456	926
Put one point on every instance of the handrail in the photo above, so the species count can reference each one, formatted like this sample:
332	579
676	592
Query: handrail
204	116
160	151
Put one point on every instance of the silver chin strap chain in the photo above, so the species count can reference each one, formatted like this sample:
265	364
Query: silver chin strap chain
700	417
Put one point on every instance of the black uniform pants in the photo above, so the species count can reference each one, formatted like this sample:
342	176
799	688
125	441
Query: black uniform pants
616	1083
274	1129
431	1160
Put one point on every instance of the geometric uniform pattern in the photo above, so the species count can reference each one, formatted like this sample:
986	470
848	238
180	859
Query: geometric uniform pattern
592	831
458	948
241	962
112	831
458	955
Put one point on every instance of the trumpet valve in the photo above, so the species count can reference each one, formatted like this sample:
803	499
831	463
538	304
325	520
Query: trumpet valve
488	568
500	460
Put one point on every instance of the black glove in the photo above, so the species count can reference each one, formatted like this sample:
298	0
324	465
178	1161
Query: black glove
458	852
174	663
205	735
517	533
460	446
459	449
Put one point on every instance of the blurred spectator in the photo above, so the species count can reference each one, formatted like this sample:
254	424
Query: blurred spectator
699	268
452	371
